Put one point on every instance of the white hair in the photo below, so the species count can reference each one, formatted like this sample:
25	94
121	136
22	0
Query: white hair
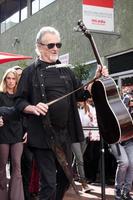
42	32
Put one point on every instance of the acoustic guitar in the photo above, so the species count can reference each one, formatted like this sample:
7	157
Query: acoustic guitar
114	120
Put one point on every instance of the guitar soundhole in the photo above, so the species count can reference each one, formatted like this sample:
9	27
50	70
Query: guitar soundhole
107	123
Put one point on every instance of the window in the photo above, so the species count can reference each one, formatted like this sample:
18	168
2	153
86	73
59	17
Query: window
121	62
3	26
11	13
121	68
24	10
2	17
24	13
14	11
39	4
35	6
12	20
45	3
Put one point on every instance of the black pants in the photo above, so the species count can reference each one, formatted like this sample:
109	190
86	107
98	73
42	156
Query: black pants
53	181
91	160
26	169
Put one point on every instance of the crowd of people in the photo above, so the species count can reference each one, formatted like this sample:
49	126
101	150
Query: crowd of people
36	131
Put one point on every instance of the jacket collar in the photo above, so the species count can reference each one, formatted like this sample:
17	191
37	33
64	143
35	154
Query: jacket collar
39	62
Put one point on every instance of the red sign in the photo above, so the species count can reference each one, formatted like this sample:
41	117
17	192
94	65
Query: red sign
8	57
99	14
100	3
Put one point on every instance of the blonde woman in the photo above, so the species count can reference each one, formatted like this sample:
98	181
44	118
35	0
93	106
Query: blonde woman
11	137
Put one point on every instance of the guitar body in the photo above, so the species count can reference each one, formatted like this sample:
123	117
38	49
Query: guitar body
114	120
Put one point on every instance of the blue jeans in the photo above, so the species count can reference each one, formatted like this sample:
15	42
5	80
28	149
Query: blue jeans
78	157
124	158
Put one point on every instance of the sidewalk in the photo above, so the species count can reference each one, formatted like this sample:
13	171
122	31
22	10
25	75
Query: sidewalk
93	195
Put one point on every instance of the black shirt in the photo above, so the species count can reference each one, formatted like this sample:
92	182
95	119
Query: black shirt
54	86
12	131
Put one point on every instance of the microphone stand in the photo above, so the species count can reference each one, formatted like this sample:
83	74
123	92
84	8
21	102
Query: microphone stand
102	168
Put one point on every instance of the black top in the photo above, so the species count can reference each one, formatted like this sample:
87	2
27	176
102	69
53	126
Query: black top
64	113
12	131
57	84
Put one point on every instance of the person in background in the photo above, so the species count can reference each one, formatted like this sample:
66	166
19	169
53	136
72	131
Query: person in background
11	140
93	145
128	100
34	181
79	148
54	125
19	70
131	106
123	152
27	163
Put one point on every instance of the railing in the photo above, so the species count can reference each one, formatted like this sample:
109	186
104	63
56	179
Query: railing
94	128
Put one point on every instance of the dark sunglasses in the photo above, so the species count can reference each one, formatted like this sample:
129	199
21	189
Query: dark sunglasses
52	45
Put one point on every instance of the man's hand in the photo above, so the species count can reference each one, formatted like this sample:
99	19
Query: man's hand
101	71
39	109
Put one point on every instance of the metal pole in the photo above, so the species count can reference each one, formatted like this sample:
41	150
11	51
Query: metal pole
102	169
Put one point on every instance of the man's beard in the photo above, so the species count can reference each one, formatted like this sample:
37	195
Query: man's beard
54	58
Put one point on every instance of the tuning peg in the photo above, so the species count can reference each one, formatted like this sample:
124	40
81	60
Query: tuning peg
77	29
80	22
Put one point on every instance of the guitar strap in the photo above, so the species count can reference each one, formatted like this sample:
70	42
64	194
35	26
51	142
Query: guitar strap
57	149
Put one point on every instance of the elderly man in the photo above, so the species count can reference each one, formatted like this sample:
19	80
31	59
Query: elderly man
40	83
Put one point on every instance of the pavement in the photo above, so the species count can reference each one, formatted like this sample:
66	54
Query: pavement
95	194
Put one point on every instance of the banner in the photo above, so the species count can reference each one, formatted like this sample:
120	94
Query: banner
9	57
99	15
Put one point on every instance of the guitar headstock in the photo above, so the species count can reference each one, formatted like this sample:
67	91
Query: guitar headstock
87	33
83	28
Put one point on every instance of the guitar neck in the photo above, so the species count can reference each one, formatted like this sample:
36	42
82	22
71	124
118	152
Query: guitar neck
95	50
93	44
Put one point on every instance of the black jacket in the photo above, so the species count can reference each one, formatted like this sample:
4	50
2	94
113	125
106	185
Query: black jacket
12	131
29	92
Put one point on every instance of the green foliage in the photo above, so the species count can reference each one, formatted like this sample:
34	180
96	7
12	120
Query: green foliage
22	63
82	71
